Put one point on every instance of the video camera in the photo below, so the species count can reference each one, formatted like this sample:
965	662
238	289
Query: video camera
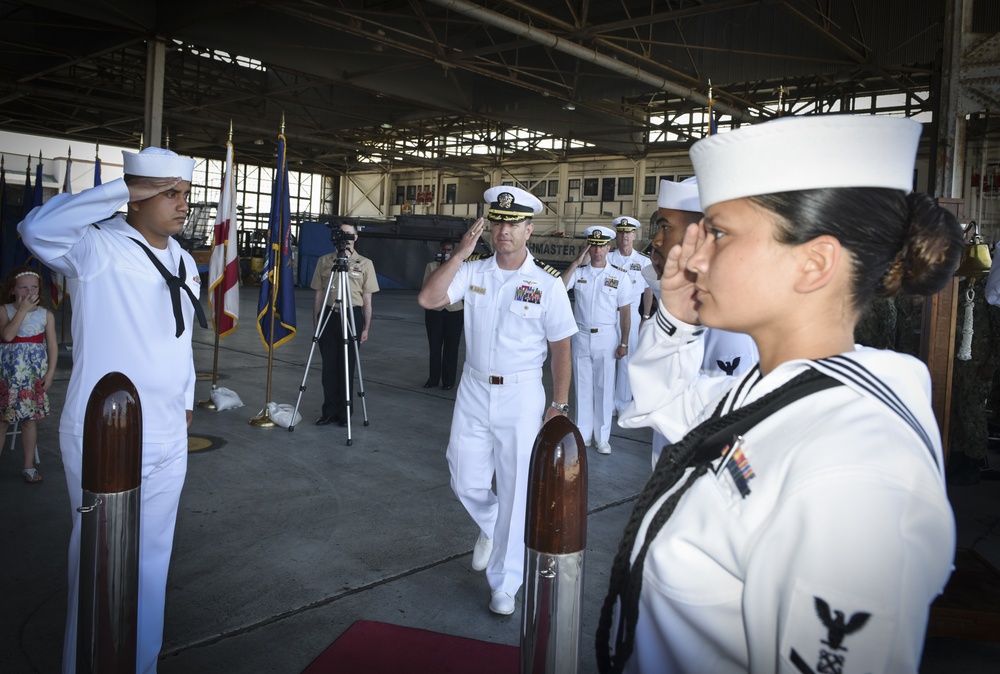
339	237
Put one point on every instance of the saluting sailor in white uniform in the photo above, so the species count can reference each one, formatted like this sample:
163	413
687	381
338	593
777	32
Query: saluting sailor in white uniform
128	317
516	311
632	262
726	354
802	524
602	295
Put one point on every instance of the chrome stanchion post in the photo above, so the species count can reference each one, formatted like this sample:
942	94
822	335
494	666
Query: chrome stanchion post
107	627
555	537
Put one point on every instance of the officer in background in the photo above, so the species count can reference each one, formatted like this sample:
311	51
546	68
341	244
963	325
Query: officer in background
632	262
444	330
601	304
362	282
516	311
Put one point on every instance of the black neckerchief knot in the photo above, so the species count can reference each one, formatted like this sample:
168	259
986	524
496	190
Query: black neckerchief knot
174	285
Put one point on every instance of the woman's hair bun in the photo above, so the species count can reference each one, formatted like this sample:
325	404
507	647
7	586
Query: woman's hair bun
931	250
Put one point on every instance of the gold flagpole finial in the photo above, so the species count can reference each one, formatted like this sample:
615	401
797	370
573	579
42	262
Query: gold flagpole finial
781	99
282	132
710	90
167	139
230	131
39	156
69	152
97	148
29	163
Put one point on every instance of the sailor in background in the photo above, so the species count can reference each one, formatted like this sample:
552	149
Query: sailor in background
602	295
516	312
362	283
726	354
802	524
135	296
632	262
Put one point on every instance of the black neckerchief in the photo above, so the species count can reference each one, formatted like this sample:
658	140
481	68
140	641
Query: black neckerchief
174	284
702	445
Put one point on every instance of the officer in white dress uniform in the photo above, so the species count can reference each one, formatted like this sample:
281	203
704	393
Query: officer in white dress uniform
802	524
602	294
126	319
632	262
516	311
727	354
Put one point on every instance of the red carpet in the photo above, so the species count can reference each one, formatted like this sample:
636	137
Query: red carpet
370	647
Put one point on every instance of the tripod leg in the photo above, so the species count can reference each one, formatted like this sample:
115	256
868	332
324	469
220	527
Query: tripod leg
346	315
357	362
324	318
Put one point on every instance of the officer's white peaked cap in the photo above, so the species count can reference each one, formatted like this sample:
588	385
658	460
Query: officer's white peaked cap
511	204
599	236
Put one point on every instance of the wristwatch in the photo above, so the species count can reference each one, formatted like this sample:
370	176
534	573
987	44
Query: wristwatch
623	346
564	408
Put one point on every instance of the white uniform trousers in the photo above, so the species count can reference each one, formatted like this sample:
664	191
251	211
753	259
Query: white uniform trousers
164	467
623	390
594	377
494	430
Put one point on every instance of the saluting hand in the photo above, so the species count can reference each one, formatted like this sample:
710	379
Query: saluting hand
144	188
677	284
469	240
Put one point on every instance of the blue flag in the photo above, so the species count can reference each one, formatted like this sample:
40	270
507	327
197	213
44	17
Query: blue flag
39	196
27	201
22	256
276	307
97	171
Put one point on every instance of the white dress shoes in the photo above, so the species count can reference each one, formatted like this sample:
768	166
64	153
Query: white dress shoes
481	553
502	603
603	448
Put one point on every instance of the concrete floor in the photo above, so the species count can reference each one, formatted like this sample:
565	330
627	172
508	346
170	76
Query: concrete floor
285	539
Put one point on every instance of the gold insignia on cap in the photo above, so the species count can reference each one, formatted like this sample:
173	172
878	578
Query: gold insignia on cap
505	200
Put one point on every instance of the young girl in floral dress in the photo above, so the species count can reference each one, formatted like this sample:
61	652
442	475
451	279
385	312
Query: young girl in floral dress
28	355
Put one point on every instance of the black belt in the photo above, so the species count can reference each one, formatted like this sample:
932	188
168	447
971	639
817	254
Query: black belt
174	284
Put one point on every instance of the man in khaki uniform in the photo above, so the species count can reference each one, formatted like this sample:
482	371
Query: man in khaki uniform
362	281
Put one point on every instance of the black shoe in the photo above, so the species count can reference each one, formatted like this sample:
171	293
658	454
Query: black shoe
430	384
324	420
448	387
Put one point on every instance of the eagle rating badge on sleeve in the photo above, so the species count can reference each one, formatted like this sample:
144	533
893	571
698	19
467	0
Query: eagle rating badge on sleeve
828	632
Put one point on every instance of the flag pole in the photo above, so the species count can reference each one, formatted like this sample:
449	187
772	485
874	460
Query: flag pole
218	290
263	420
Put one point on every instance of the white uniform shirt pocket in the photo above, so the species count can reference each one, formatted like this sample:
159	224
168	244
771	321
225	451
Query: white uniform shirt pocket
481	312
527	310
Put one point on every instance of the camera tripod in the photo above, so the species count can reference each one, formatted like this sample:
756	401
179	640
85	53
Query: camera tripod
348	339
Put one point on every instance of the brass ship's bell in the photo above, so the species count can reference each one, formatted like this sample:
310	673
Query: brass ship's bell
976	260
